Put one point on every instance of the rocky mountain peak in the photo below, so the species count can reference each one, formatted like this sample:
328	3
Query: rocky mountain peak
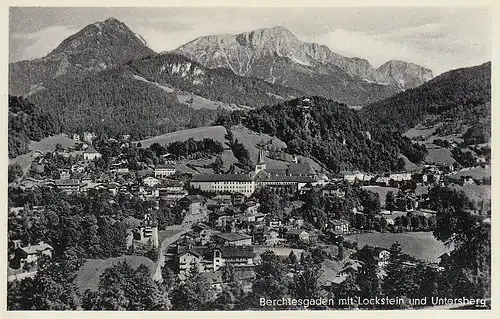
405	74
267	53
101	34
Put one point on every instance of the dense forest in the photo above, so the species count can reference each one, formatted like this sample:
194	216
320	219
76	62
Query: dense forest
112	103
28	122
333	134
459	98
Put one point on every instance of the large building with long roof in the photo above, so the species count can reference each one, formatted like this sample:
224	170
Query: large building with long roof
294	177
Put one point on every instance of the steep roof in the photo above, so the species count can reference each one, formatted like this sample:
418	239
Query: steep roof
260	160
91	150
237	252
35	249
295	231
300	169
232	236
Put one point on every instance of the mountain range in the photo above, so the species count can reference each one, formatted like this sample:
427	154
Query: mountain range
278	56
274	55
104	78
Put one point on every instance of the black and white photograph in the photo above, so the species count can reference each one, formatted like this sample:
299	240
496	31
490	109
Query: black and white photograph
248	158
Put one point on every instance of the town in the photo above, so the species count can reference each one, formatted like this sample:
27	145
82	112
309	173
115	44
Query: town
232	219
258	159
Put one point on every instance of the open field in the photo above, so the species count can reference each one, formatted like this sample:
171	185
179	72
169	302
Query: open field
411	167
216	133
419	130
421	245
24	161
48	144
474	172
438	155
193	100
89	275
245	136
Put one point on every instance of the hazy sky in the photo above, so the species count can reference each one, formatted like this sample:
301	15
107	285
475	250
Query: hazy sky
438	38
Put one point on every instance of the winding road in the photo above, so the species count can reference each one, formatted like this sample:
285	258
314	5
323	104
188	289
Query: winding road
163	247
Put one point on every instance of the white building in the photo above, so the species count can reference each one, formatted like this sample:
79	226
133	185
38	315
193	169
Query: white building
150	181
233	183
163	171
91	154
399	177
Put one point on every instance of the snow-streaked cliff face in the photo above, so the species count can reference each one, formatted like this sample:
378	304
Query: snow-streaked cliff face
255	53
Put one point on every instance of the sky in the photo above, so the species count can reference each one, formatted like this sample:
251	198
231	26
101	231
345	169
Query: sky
437	38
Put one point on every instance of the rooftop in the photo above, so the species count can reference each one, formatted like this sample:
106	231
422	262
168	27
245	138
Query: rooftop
221	178
165	166
233	236
282	178
92	150
237	252
35	249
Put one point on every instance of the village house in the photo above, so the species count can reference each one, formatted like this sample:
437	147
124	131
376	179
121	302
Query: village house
77	168
64	173
170	186
122	170
188	259
383	181
351	177
274	222
147	232
91	154
164	171
150	181
333	190
297	236
31	253
238	257
212	259
295	222
399	177
339	226
272	238
194	209
233	239
68	185
88	137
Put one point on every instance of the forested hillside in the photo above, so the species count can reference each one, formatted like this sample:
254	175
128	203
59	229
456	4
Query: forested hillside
334	134
28	122
116	102
460	98
113	102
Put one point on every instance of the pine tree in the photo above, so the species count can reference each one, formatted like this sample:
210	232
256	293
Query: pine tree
398	282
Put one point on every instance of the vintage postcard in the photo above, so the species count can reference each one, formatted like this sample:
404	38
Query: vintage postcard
224	158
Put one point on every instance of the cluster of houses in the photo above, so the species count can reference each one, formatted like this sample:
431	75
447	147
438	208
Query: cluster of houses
225	229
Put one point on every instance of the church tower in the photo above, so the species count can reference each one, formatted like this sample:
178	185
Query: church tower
261	165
